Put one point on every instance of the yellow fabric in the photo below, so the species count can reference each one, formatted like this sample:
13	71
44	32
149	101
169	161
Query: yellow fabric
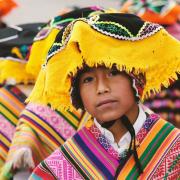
14	70
39	49
157	56
39	52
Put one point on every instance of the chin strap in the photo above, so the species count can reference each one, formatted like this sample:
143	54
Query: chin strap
132	147
107	125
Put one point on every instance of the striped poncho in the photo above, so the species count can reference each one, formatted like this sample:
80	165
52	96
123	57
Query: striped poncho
11	105
88	155
42	130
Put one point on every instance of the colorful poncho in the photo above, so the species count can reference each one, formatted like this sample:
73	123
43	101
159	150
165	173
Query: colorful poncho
11	105
89	155
43	130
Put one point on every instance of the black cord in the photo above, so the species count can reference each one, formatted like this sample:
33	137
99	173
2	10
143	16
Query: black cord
108	124
125	121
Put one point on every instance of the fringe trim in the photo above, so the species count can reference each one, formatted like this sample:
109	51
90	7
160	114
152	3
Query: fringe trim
11	70
152	57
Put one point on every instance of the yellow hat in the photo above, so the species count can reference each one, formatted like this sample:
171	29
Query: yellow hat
45	38
107	39
39	50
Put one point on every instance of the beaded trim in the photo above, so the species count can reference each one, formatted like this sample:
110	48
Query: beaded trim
57	23
42	34
121	32
62	41
111	29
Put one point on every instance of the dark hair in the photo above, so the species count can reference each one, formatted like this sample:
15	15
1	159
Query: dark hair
75	91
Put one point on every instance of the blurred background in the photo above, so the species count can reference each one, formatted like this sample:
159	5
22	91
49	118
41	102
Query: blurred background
43	10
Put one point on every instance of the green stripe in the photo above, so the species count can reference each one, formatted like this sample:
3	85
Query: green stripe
70	122
9	110
7	118
63	21
47	169
73	115
151	149
73	162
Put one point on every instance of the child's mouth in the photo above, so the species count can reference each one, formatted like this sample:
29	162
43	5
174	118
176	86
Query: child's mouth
106	103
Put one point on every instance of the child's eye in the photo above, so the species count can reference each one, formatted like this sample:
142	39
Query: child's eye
87	79
114	72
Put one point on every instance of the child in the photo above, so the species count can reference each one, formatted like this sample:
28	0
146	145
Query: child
106	64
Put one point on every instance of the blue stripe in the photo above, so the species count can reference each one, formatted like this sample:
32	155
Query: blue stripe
92	157
21	96
40	127
39	117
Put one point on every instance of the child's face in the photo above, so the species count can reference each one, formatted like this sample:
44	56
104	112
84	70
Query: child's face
106	93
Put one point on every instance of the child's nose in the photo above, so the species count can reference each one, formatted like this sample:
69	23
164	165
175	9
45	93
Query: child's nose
102	86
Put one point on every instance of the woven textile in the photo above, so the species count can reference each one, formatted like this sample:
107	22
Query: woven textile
84	156
167	103
11	105
43	130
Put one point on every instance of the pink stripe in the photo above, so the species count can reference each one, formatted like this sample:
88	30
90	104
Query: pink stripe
98	150
6	127
52	118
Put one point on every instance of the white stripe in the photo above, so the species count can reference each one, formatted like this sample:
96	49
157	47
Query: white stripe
8	38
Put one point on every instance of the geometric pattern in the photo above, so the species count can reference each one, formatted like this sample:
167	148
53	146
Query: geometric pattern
146	127
170	164
119	31
103	141
61	168
108	28
56	121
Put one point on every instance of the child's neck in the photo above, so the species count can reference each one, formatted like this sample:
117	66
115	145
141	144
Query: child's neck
118	129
